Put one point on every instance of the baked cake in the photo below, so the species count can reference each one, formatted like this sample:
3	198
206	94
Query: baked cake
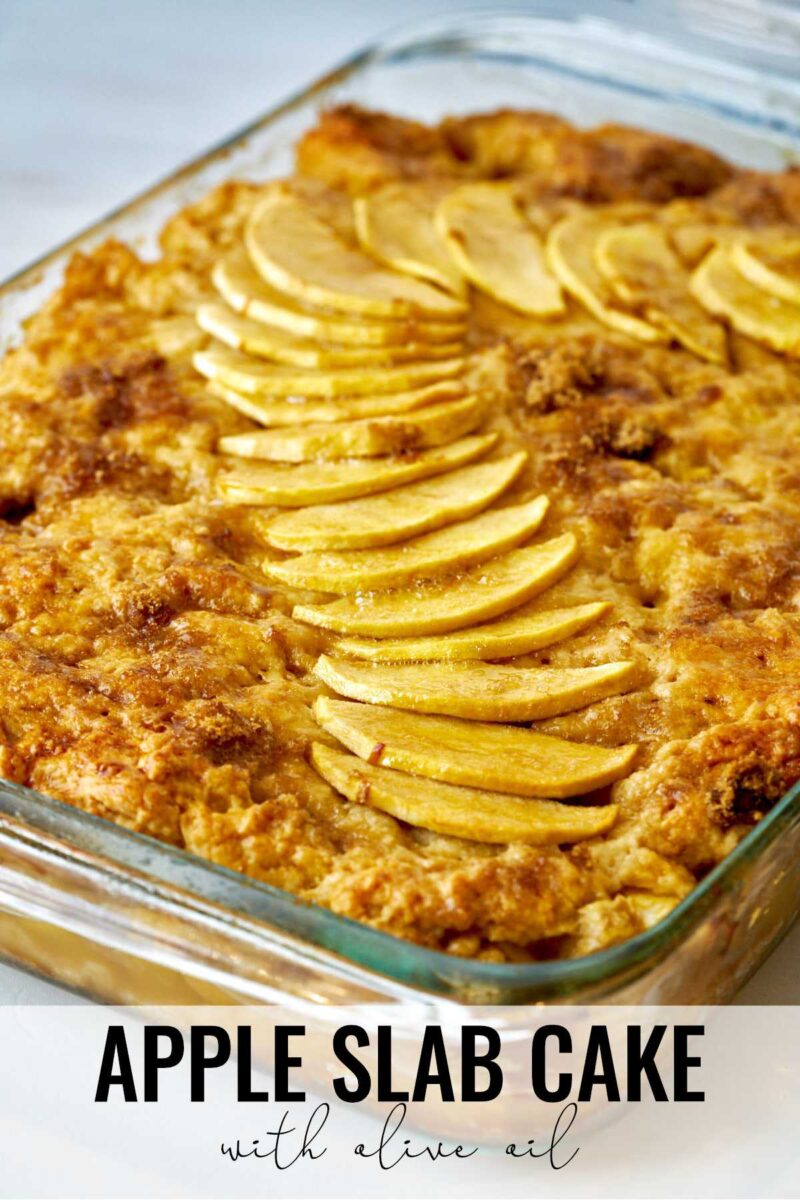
421	534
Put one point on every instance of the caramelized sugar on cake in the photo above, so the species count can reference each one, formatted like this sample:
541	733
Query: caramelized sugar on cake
471	445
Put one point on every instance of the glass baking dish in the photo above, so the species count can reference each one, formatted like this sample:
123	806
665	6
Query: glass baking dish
128	919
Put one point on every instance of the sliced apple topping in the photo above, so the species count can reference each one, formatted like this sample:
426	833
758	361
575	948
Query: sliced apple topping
471	813
724	291
238	282
451	549
351	358
651	908
254	377
772	263
475	690
395	224
517	634
497	249
297	486
310	412
477	595
301	255
500	757
693	239
646	274
399	514
267	341
570	253
433	425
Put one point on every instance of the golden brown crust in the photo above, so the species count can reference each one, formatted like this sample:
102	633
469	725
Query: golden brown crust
151	675
355	149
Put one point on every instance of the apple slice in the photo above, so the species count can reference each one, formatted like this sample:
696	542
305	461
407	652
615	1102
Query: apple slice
570	253
270	342
431	426
474	690
722	290
510	636
451	549
301	255
650	907
772	263
399	514
233	369
645	273
346	408
503	758
395	225
693	239
477	595
470	813
497	249
290	486
238	282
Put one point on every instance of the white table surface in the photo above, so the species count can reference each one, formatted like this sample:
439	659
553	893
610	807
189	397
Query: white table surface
97	99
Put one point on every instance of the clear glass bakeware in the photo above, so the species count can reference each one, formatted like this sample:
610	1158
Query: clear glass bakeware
129	920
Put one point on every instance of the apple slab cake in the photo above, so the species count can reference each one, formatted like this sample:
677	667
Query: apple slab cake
421	534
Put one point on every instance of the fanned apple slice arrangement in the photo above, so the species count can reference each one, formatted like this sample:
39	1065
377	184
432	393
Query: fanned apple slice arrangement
627	270
351	358
754	283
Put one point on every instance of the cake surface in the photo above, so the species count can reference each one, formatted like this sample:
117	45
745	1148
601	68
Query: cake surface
153	673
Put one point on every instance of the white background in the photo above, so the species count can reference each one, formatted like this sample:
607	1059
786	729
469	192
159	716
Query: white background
98	99
740	1143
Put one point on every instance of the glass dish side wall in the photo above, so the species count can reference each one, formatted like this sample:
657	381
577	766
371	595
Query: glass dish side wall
164	926
127	921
